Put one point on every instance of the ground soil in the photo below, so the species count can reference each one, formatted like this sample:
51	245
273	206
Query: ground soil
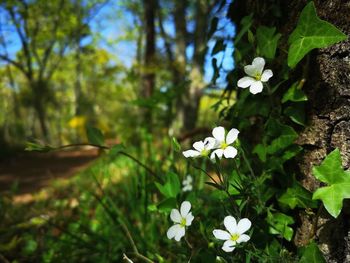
33	171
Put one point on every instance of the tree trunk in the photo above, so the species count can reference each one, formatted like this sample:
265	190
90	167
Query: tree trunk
39	93
328	112
148	78
328	91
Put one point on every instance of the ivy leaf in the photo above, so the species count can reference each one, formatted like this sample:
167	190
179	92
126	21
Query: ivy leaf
286	138
279	225
331	172
296	113
294	93
267	41
310	33
95	136
297	196
311	254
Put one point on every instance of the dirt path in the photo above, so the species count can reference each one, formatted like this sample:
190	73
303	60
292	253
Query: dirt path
33	171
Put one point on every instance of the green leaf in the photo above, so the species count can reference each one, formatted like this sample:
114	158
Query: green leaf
296	113
287	137
246	23
116	149
279	225
95	136
311	254
176	145
311	32
267	41
331	172
38	147
331	169
167	205
260	150
297	196
251	38
294	93
172	186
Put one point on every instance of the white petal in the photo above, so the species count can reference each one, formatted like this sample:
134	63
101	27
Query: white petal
221	234
243	225
172	231
228	246
198	146
189	179
219	133
230	152
256	87
251	70
191	153
218	153
245	82
180	233
187	188
267	74
209	143
175	216
185	208
230	224
243	238
259	64
232	136
189	219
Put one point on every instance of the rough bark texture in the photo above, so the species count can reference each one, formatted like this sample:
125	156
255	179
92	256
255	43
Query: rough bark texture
328	90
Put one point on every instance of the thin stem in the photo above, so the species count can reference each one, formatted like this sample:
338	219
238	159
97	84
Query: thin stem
206	174
247	163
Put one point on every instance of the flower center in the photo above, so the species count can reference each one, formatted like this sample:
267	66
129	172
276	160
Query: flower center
183	222
223	145
234	237
204	152
258	76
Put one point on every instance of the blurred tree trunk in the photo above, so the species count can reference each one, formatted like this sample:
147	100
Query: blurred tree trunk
190	92
148	78
328	111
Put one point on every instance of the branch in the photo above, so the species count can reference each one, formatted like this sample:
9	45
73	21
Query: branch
23	41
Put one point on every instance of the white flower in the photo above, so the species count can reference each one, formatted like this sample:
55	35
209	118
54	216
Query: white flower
201	148
181	219
223	144
256	76
187	184
234	233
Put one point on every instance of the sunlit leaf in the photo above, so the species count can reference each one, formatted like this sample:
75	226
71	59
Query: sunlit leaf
331	172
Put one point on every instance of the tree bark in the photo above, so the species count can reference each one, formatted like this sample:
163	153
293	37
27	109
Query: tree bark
328	91
148	78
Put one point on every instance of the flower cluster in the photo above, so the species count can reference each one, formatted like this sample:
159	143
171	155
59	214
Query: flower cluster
233	235
220	145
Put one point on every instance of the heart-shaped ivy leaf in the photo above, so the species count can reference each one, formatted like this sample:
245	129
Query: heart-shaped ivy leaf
311	32
332	173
